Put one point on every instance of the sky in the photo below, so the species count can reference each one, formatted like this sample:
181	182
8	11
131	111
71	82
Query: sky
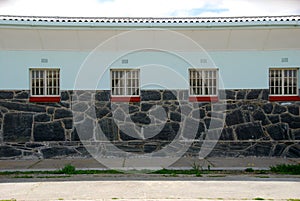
149	8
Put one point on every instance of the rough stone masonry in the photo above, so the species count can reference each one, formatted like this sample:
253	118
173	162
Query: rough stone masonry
249	125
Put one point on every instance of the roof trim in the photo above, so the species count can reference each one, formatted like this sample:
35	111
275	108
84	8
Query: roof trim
149	21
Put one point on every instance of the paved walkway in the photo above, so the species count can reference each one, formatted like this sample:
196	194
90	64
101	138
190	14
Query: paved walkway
151	190
183	163
149	187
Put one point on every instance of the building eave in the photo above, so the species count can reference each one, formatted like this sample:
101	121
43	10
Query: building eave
150	22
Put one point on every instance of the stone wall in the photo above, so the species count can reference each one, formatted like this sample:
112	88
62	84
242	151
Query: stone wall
242	123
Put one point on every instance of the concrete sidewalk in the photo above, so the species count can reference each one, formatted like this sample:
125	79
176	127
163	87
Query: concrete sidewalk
137	163
158	190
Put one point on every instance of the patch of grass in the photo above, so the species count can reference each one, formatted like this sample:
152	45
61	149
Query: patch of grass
168	171
114	198
258	198
293	200
98	172
23	177
196	168
286	169
60	199
261	171
249	170
49	177
68	169
9	200
186	172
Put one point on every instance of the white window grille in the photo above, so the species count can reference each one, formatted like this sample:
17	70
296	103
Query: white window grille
283	81
203	82
44	82
125	82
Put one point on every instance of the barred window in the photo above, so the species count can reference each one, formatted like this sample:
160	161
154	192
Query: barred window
283	81
203	82
125	82
44	82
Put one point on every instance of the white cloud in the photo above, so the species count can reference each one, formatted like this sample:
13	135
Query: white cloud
149	8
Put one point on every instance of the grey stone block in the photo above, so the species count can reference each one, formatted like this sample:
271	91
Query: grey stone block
294	151
230	94
102	95
146	106
141	118
150	147
7	151
57	152
249	131
274	118
150	95
235	117
293	121
68	123
258	115
253	94
268	108
62	113
278	131
278	109
6	94
17	127
169	95
279	149
26	107
241	94
293	109
64	96
168	133
175	116
52	131
42	118
102	112
22	95
109	129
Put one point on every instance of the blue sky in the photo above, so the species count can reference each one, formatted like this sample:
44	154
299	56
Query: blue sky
149	8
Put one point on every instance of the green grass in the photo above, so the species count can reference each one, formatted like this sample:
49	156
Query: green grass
293	200
9	200
23	177
258	198
286	169
68	169
168	171
49	177
249	170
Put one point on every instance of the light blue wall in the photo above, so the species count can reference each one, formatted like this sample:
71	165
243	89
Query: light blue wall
14	66
238	69
250	69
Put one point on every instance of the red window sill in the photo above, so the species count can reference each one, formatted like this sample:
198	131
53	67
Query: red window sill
203	98
284	98
44	99
125	99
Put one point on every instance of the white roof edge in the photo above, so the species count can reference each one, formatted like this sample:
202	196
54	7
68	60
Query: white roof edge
149	21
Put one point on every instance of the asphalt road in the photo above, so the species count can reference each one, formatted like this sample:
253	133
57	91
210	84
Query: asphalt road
237	187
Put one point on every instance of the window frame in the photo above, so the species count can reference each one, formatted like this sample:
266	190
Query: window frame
44	97
125	97
282	96
204	97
